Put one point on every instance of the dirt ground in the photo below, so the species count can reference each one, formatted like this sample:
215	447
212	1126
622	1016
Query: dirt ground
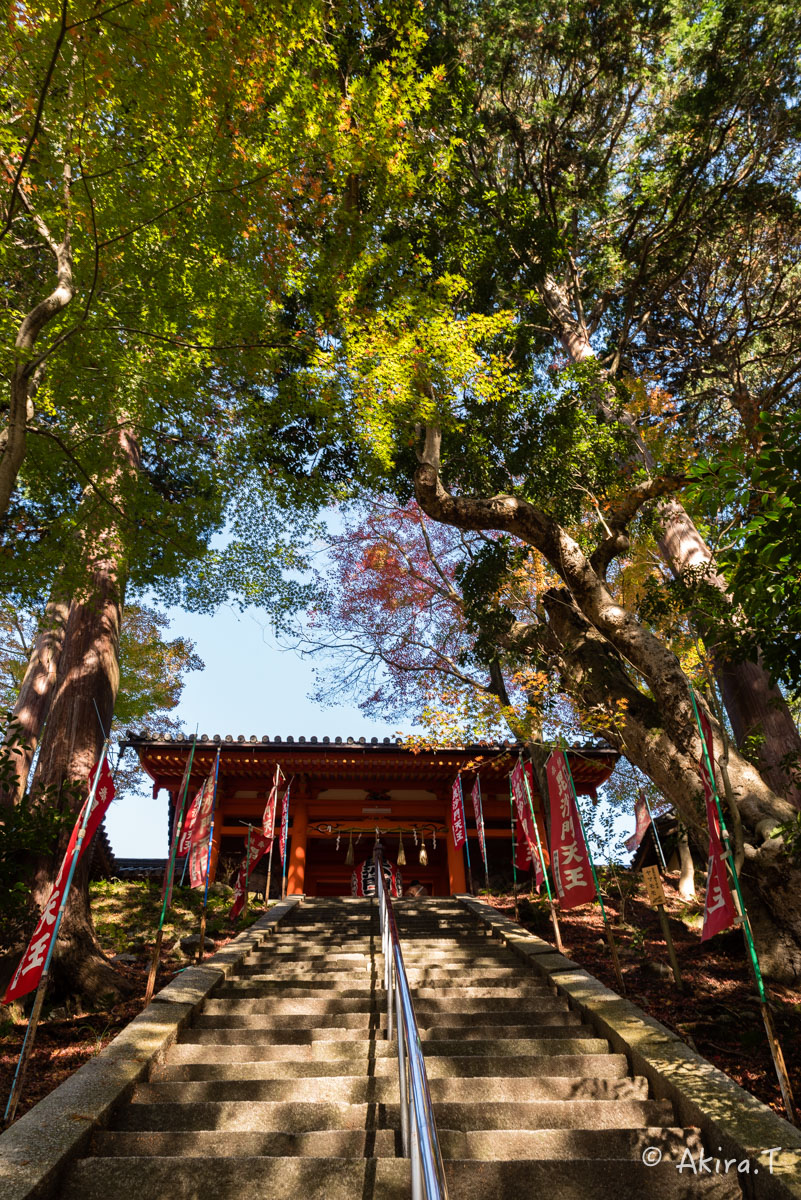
717	1013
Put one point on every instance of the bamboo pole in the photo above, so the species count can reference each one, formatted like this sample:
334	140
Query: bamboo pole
208	863
556	930
774	1044
607	926
168	878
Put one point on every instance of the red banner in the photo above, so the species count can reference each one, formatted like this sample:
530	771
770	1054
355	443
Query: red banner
268	817
185	840
719	908
571	864
29	972
180	797
526	851
259	845
642	819
284	838
457	814
199	838
476	796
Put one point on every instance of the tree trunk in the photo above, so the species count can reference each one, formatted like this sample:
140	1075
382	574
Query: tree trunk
643	729
35	693
686	865
753	705
88	676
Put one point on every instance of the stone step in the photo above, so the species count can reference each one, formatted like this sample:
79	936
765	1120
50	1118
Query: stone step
564	1144
548	1040
600	1179
300	1117
212	1143
361	1051
245	1178
485	1010
255	998
335	1087
574	1068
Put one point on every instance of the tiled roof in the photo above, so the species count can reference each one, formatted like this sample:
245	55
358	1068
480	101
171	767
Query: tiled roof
134	739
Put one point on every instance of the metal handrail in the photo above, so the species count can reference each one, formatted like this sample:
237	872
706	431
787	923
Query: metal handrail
418	1128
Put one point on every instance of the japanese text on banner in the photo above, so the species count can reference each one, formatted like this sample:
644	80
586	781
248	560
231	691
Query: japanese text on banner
571	864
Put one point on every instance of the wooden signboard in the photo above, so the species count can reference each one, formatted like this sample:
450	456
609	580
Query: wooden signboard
653	885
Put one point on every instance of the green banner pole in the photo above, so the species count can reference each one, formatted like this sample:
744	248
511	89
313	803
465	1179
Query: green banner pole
556	930
208	862
483	836
154	965
514	848
466	838
609	935
773	1041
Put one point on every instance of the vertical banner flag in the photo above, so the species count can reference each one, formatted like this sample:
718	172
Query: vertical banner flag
642	819
719	909
476	794
169	875
526	837
268	818
457	814
571	864
29	972
284	823
199	835
185	841
259	845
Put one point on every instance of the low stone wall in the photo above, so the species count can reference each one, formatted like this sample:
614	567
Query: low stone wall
38	1147
734	1124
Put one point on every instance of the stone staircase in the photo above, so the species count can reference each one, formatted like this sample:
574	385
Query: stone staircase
285	1083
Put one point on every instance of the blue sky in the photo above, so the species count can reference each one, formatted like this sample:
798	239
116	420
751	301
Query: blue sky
248	686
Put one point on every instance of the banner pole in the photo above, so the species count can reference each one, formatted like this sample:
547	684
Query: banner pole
514	847
285	829
466	839
656	833
776	1052
272	839
609	935
247	876
556	930
208	862
169	872
483	834
36	1012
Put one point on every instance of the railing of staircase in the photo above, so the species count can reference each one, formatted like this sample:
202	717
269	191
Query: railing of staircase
418	1129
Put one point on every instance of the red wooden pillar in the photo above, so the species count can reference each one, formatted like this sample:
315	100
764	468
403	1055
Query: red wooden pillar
457	880
296	871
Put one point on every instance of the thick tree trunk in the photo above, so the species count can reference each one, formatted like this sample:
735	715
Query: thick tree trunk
35	693
666	752
754	706
686	865
756	709
88	676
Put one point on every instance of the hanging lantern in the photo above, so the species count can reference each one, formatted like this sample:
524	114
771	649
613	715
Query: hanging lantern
423	852
401	851
349	852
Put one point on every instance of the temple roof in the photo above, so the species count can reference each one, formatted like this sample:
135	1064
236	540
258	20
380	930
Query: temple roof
363	763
